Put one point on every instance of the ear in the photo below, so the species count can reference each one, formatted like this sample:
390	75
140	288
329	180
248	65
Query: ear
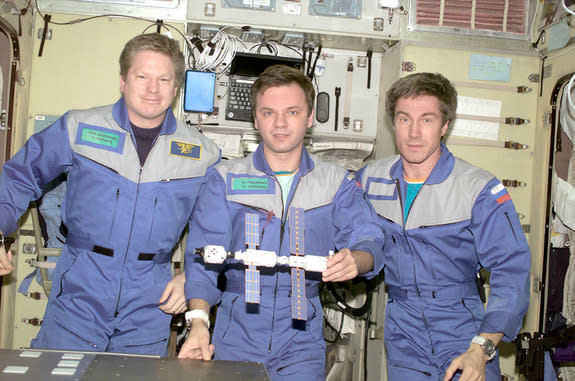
175	90
444	128
310	118
122	83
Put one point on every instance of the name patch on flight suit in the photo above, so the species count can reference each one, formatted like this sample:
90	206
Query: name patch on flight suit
380	189
100	137
193	151
238	184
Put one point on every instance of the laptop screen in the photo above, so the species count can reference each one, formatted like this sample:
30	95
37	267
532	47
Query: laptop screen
244	70
252	65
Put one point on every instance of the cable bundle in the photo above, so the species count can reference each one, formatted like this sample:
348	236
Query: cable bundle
218	52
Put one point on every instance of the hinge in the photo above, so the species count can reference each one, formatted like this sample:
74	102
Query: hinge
537	285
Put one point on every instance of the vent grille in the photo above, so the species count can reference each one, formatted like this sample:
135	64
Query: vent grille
505	16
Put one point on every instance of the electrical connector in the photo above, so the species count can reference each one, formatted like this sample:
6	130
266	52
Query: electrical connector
293	39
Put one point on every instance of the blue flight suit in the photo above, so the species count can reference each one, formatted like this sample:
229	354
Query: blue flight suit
462	219
336	217
123	221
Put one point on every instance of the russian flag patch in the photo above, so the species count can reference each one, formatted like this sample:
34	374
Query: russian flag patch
500	193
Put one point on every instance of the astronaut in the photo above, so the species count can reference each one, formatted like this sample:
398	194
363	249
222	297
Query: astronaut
278	176
133	175
443	220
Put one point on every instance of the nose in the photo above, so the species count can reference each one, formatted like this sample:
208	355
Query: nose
414	130
153	86
280	120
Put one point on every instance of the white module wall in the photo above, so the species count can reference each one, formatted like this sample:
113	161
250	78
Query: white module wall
360	18
357	102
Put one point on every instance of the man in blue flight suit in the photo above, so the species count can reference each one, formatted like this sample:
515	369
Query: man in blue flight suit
133	175
279	175
443	220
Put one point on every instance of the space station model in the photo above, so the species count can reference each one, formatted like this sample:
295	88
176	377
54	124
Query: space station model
253	257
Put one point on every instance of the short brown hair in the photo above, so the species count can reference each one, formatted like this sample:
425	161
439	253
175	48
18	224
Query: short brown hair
281	75
417	84
158	43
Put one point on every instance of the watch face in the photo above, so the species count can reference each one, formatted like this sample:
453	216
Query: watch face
488	347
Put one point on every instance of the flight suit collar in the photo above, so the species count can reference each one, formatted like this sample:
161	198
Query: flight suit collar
120	113
440	172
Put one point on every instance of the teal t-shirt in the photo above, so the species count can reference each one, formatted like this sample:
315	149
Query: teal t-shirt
413	187
285	178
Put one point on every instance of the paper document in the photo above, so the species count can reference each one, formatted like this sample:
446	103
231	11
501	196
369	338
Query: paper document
475	128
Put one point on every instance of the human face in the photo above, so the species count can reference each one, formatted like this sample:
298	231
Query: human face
418	126
282	117
149	88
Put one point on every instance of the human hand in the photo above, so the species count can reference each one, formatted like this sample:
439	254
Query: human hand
341	266
6	266
173	299
197	345
471	363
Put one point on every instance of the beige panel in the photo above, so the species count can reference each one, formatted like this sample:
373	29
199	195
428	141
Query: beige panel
390	72
79	66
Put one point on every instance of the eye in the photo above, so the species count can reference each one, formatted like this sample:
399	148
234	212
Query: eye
293	113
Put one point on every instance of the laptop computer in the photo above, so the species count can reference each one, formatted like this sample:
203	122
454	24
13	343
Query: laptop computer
244	70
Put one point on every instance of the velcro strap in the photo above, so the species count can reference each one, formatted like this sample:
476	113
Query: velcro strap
146	256
103	250
455	291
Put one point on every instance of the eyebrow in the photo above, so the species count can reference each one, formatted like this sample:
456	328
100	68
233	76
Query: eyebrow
290	108
426	114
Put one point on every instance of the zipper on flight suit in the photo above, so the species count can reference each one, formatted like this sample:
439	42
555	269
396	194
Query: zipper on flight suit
403	223
153	217
407	241
114	212
279	251
133	219
129	242
282	231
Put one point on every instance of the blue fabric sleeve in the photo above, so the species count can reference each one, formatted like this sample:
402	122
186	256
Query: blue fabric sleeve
503	250
356	225
210	225
44	156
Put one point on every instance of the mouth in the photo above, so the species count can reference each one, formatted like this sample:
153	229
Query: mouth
147	100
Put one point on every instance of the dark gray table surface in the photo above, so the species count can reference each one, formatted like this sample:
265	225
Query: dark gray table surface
90	366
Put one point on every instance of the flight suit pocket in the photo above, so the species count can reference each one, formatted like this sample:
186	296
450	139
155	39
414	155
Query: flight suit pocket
67	267
314	324
225	316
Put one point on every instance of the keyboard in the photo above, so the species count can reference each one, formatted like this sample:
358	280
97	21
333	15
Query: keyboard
238	106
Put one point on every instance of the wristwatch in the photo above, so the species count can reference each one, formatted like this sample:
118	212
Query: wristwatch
488	346
197	314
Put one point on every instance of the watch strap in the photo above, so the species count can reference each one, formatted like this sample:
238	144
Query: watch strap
197	314
488	346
